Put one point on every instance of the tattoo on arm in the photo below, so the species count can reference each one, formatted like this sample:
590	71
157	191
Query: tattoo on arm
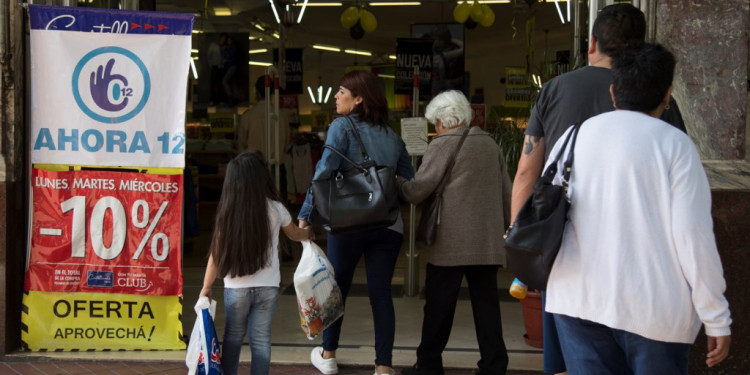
530	142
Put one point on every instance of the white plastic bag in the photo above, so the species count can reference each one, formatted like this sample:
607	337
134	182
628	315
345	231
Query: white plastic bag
318	296
203	352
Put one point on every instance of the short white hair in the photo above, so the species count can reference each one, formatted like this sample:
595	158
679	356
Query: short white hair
451	107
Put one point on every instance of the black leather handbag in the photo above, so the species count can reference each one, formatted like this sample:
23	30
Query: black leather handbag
430	219
359	198
534	239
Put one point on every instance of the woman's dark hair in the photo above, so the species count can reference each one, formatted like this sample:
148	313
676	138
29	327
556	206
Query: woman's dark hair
374	107
641	76
617	25
241	237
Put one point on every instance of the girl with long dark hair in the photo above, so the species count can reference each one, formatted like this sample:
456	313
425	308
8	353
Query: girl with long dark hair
244	251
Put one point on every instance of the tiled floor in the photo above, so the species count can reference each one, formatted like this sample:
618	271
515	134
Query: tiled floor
290	347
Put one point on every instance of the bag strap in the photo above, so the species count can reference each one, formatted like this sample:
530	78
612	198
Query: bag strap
551	170
356	135
339	153
452	161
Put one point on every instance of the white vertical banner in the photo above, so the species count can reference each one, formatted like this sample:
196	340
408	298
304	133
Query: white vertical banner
108	87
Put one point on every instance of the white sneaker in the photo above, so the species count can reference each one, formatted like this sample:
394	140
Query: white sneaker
392	372
326	366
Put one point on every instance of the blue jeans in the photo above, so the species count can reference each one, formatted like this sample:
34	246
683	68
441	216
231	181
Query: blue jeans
593	348
553	357
248	311
380	248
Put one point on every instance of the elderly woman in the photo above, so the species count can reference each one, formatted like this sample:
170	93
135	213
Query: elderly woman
469	241
638	272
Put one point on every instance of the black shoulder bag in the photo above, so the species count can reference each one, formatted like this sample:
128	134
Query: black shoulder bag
534	239
360	198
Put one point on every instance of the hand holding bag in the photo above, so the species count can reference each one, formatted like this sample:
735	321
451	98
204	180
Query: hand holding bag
533	241
361	198
430	219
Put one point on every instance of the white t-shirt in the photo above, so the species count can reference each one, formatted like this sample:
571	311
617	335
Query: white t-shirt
639	253
278	217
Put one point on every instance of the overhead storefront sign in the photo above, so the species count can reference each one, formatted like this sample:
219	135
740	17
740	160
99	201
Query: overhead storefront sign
411	53
108	86
101	231
100	322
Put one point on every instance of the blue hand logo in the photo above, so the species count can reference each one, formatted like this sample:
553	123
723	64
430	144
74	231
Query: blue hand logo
99	85
107	96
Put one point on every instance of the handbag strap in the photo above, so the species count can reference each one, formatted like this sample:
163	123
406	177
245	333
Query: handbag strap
339	153
568	164
452	161
356	135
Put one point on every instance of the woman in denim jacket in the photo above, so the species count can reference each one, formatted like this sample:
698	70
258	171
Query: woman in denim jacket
360	97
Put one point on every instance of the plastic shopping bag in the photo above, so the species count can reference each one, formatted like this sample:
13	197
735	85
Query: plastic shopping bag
318	296
203	352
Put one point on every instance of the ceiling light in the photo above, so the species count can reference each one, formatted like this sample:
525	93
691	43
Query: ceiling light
358	52
326	48
259	50
194	50
559	12
301	12
192	68
276	35
259	27
275	13
320	4
392	57
197	31
386	76
259	63
222	12
398	3
320	99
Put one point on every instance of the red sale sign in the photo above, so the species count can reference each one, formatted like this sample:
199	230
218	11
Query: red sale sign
104	231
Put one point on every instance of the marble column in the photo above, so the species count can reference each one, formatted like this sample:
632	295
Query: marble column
710	41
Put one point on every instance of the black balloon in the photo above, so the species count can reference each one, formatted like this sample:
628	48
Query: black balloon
356	31
470	24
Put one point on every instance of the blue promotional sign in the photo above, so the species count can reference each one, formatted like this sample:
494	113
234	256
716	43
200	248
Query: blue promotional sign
108	86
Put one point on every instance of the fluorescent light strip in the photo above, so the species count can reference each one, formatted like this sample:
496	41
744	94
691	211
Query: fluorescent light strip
194	50
386	76
301	12
259	63
559	12
358	52
320	4
275	13
259	27
328	94
399	3
197	31
326	48
192	68
276	35
392	57
312	97
222	12
259	50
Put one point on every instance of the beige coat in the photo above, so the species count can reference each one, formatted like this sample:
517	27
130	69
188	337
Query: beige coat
476	200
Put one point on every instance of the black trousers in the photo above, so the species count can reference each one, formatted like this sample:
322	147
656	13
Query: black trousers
442	285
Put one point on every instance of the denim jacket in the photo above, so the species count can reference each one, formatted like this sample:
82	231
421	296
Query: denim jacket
383	145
